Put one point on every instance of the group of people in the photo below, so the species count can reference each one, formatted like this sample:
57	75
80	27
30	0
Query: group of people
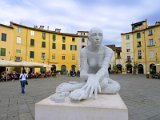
9	76
73	73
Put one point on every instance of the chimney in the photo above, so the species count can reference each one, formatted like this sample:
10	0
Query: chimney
47	27
41	27
158	23
57	30
35	26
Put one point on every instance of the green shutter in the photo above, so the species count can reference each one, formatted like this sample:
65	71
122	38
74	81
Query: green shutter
53	37
3	52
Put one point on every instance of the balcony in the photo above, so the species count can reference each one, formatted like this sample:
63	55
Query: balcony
118	57
128	61
150	45
150	34
138	45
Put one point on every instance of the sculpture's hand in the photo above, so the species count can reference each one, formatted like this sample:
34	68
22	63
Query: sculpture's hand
92	86
78	94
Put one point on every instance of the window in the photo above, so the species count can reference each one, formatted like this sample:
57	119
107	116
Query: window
63	57
63	47
43	35
139	57
18	51
151	54
128	46
19	30
127	37
128	58
139	54
138	44
32	33
73	57
31	42
53	56
73	47
73	39
138	35
53	45
19	41
18	58
31	54
2	51
43	56
118	55
83	46
150	32
82	33
43	44
53	37
63	38
151	42
128	50
4	37
83	40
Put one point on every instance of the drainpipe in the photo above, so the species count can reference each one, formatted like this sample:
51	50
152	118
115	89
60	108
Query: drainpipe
26	45
145	53
49	56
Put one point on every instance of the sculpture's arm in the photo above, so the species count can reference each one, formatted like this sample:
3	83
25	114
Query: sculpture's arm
104	68
83	64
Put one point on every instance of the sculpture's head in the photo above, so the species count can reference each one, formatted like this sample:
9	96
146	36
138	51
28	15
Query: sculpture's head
95	36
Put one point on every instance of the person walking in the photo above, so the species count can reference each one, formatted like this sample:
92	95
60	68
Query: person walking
23	79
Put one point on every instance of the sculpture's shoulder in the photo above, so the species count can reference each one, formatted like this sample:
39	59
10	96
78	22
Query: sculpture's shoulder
107	50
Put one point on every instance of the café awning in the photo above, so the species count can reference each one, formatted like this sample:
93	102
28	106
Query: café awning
6	63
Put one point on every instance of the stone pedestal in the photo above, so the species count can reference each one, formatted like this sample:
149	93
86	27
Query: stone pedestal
104	107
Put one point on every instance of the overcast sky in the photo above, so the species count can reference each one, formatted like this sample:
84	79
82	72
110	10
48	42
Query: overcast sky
112	16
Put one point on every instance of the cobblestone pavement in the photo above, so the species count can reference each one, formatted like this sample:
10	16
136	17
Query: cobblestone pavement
141	95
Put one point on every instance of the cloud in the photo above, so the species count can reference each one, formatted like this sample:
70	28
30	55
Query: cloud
113	17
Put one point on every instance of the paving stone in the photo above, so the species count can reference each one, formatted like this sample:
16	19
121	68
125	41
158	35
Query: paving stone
141	96
3	116
25	116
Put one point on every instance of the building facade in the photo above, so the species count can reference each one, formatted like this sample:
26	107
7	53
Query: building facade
116	64
6	42
36	44
143	48
82	41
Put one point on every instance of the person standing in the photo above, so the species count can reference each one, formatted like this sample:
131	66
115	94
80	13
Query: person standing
23	79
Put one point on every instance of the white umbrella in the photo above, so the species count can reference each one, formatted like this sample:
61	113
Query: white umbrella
31	64
6	63
28	64
45	65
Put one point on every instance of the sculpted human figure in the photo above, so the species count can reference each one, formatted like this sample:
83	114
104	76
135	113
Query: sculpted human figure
94	63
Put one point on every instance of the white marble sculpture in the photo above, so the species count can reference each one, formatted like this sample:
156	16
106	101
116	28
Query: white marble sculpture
94	63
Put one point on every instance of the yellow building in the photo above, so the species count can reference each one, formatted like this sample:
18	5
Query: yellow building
6	42
116	64
82	41
36	44
144	47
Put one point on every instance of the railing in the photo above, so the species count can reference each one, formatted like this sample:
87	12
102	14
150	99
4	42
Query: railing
128	61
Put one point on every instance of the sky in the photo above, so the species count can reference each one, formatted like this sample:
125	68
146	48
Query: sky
112	16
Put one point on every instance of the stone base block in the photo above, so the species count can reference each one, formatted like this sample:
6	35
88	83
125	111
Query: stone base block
104	107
